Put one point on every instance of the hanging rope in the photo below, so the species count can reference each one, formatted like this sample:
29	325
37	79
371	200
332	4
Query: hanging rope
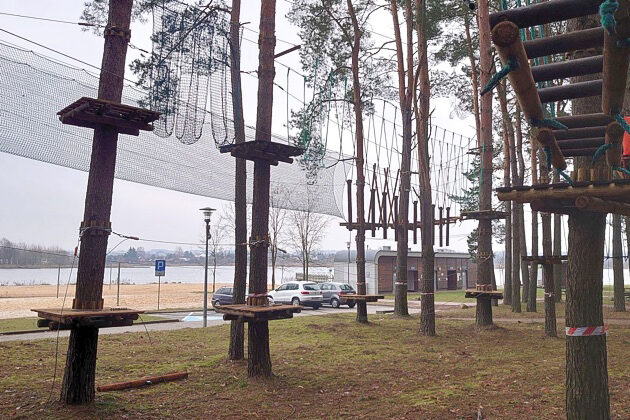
620	169
511	65
547	150
565	176
548	122
600	151
622	122
607	14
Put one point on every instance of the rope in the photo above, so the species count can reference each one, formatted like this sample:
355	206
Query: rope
547	150
620	169
548	122
566	177
600	151
622	122
511	65
607	13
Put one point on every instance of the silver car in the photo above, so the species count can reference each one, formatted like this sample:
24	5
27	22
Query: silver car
332	293
305	293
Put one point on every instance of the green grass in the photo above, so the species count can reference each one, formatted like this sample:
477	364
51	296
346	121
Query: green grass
30	323
325	366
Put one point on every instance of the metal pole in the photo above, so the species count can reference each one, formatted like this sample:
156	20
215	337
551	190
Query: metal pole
205	282
58	277
118	287
348	265
159	283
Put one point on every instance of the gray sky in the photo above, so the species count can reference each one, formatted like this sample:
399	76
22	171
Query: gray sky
43	203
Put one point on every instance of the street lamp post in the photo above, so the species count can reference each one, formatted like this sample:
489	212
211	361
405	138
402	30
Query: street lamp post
348	245
207	214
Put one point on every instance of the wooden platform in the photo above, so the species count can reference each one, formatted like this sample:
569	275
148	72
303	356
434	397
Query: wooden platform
269	151
541	259
91	113
617	190
484	294
247	313
484	215
360	298
99	318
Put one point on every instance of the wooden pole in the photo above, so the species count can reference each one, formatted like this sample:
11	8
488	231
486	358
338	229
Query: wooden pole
59	278
547	139
150	380
612	192
616	60
614	137
580	133
118	287
598	205
80	370
568	42
547	12
568	68
585	120
570	91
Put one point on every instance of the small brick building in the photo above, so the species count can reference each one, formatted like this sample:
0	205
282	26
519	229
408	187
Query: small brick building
453	270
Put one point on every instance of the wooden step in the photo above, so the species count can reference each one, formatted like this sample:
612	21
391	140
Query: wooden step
568	68
559	44
547	12
571	91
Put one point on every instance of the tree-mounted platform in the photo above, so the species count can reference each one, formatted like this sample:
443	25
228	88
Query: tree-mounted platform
484	215
483	294
544	260
360	298
268	151
98	318
249	313
91	113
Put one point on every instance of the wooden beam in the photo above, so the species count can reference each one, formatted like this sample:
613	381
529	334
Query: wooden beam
547	12
546	138
614	137
576	40
585	120
602	206
586	151
581	143
290	50
611	191
571	91
568	68
580	133
616	61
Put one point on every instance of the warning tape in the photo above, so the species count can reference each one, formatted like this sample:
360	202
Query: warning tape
586	331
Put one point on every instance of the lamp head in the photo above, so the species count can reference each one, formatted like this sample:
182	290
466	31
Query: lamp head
207	213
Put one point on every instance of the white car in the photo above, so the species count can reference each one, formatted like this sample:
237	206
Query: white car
305	293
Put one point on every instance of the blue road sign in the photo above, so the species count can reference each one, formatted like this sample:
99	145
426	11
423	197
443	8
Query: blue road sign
160	268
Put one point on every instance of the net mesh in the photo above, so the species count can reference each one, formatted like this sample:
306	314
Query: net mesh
35	87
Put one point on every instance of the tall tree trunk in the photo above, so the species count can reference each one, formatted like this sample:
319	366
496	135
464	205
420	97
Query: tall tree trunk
551	329
586	357
421	101
558	272
617	254
484	254
533	272
259	360
517	215
521	213
80	369
508	138
474	75
358	114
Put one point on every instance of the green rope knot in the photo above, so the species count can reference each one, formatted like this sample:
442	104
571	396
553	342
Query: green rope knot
607	14
620	169
565	176
548	122
622	122
511	65
600	151
547	150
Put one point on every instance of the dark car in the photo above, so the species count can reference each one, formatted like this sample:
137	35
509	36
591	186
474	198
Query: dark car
333	292
223	296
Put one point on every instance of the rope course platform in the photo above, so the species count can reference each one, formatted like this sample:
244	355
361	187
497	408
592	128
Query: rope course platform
90	113
269	151
60	318
484	215
360	298
544	259
483	294
249	313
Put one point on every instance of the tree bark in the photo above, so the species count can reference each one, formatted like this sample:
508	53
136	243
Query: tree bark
617	254
80	369
521	213
516	219
508	139
259	361
533	272
551	329
484	254
237	330
558	273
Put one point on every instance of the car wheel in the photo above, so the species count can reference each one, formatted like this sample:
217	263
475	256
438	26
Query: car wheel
295	302
315	307
215	303
351	305
334	303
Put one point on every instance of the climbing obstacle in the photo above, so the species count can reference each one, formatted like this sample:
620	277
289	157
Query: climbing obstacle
60	318
251	313
483	291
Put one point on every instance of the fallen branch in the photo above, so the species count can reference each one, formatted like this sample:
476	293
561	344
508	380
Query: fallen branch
150	380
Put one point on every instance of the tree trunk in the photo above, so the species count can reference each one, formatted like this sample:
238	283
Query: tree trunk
617	254
259	361
533	272
516	221
508	148
80	369
551	329
421	101
474	76
521	213
558	273
484	254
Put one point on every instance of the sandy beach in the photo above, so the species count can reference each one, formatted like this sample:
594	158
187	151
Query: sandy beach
17	301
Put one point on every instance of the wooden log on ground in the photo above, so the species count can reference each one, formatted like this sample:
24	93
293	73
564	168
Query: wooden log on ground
547	139
602	206
576	40
568	68
585	120
616	61
547	12
580	133
571	91
150	380
614	137
581	143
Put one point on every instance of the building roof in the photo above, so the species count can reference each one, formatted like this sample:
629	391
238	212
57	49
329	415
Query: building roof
372	255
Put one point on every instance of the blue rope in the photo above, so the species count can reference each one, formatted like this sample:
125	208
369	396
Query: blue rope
600	151
566	177
512	64
548	122
547	150
622	122
607	14
622	170
504	5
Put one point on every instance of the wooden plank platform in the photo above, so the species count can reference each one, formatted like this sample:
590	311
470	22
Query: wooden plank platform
541	259
247	313
617	190
360	298
269	151
91	113
100	318
484	294
484	215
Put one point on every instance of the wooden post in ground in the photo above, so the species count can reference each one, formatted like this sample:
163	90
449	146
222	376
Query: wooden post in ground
80	369
259	361
551	329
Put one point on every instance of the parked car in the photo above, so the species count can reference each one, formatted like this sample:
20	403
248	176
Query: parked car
304	293
223	296
333	292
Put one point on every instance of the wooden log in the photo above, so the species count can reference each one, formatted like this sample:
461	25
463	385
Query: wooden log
396	218
441	209
580	133
373	211
546	12
150	380
602	206
448	217
349	186
614	136
568	68
581	143
415	222
546	138
576	40
571	91
585	120
552	206
589	151
616	61
612	191
384	220
43	323
583	175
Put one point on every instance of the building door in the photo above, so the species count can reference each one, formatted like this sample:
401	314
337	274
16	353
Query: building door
451	279
412	280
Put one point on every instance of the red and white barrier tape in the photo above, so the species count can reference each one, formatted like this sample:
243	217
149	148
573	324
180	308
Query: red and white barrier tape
586	331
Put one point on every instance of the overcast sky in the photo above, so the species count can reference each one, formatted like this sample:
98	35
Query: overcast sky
42	203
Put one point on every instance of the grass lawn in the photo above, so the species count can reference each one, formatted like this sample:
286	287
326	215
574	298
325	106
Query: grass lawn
30	323
503	311
325	366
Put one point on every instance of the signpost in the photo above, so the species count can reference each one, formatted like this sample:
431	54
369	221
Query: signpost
160	270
